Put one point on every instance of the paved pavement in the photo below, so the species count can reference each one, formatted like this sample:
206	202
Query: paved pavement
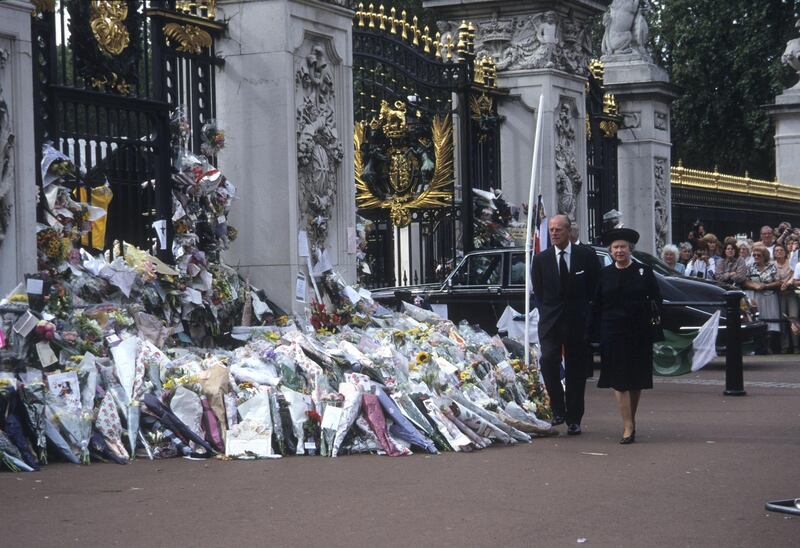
699	474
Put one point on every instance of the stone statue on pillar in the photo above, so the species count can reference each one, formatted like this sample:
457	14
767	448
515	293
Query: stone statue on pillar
626	29
791	56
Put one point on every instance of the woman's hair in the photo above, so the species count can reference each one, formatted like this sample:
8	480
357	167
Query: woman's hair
669	248
702	245
730	240
762	250
783	247
745	243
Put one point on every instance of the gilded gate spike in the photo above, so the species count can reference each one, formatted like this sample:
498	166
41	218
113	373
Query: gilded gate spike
426	39
393	18
382	17
371	16
437	45
471	38
403	25
415	29
360	14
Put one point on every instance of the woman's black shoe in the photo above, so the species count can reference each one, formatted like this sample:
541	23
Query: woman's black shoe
627	440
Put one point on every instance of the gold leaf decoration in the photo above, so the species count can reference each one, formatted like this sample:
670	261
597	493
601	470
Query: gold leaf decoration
108	25
190	39
439	193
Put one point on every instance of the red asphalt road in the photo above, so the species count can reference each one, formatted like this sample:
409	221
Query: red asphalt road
699	474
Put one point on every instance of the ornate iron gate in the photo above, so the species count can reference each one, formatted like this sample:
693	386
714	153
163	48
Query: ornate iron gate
413	93
602	123
106	75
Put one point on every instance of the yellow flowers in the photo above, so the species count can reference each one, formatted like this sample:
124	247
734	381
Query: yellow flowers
423	357
18	298
174	382
272	336
466	376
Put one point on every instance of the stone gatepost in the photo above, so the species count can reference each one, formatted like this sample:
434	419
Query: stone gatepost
643	95
17	154
786	113
284	98
540	47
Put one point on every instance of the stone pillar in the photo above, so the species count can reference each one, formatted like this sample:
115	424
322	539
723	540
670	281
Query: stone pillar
786	113
284	97
643	95
17	154
540	48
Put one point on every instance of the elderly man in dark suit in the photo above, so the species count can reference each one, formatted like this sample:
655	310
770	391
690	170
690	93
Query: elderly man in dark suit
564	281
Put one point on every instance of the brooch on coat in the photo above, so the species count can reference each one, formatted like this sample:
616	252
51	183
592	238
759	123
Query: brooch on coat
641	272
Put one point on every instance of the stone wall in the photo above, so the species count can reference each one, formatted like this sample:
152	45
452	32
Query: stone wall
284	98
17	155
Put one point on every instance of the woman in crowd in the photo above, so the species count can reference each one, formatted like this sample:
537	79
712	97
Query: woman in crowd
762	284
713	248
700	266
746	252
794	250
626	302
787	299
685	253
731	269
670	256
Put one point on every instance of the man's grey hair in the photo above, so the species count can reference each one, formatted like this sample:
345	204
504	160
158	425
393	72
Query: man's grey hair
564	217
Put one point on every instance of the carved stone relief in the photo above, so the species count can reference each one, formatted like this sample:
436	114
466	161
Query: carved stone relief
544	40
631	120
568	177
626	29
6	154
319	148
660	121
660	203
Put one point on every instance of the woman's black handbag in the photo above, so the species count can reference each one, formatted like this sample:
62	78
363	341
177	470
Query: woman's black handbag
656	331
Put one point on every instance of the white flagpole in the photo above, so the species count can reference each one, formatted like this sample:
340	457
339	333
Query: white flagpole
531	205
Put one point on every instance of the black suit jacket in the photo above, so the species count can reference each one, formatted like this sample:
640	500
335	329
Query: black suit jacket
570	311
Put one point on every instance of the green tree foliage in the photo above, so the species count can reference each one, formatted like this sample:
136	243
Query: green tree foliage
725	59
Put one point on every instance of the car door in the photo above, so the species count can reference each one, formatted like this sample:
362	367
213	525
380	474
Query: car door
472	291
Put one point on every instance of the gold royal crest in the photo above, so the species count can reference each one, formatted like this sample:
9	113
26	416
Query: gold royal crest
399	167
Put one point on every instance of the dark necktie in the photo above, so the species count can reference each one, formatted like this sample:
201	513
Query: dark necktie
563	273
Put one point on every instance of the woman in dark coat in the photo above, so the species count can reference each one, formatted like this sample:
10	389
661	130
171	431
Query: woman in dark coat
624	310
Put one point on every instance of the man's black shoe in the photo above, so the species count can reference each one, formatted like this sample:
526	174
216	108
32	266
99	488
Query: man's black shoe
558	419
574	429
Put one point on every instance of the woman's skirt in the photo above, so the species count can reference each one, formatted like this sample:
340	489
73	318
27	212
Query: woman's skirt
627	362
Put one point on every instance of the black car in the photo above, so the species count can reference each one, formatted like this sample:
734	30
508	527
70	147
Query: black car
487	281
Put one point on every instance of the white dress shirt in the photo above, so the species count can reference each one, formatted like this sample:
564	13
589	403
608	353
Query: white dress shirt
567	257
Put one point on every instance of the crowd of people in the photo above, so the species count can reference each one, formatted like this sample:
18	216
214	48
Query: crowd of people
767	270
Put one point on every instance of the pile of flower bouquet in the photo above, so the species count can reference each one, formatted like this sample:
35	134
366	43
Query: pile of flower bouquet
391	383
119	355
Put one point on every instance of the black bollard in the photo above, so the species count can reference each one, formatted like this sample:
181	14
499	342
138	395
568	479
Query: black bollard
734	372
